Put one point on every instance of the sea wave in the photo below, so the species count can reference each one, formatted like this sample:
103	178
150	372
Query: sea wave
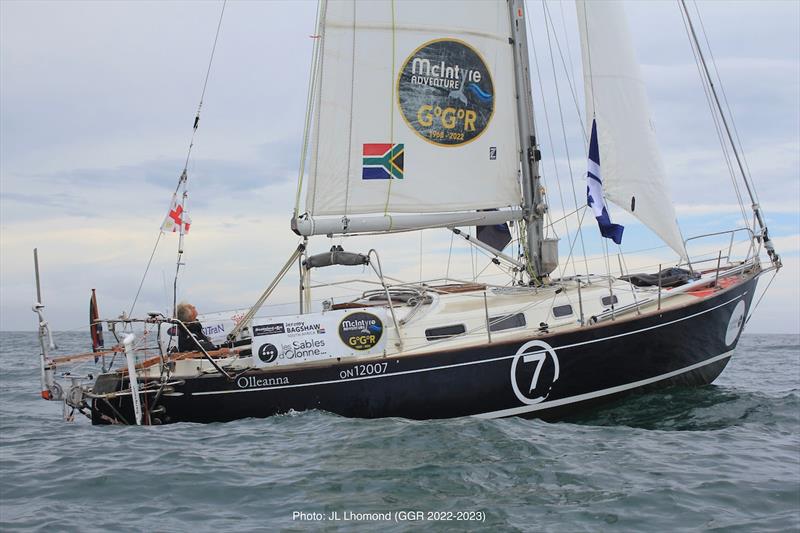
725	456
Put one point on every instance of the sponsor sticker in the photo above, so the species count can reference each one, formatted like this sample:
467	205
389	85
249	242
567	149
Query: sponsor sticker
301	328
361	331
318	336
267	352
735	323
214	330
445	92
269	329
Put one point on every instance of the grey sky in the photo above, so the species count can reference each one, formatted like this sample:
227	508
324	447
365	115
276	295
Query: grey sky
97	101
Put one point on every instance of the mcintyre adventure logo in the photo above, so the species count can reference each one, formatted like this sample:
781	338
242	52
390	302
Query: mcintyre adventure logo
445	92
361	331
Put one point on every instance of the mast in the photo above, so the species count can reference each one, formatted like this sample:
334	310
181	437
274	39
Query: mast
530	155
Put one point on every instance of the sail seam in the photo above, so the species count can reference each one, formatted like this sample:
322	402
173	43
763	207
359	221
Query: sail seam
312	79
550	138
424	29
564	132
350	121
391	106
317	110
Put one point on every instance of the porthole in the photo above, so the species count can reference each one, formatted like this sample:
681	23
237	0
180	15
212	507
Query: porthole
561	311
444	332
610	300
500	323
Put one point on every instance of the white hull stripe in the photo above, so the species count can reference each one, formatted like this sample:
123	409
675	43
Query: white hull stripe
444	367
605	392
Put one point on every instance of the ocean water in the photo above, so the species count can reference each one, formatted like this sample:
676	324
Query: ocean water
724	457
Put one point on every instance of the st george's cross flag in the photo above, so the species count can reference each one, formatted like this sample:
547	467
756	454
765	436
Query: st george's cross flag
177	220
594	192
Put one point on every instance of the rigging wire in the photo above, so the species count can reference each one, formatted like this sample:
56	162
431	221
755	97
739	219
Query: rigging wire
449	256
549	136
563	128
183	176
568	72
588	54
724	94
714	115
205	85
542	174
141	283
575	212
572	247
764	235
753	308
421	251
718	127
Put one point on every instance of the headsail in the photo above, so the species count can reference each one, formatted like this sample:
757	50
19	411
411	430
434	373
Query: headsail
412	117
633	172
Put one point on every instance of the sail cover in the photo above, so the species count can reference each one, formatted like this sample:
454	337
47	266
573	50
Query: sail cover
413	109
633	172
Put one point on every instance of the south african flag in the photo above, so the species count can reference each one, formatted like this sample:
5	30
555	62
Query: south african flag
382	161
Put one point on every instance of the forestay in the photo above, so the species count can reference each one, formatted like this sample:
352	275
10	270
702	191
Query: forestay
410	115
633	172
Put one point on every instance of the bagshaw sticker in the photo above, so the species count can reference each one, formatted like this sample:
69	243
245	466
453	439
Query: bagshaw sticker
445	92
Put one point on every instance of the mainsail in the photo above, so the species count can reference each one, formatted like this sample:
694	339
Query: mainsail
410	117
633	172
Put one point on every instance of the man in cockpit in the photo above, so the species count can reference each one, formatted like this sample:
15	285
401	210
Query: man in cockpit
188	341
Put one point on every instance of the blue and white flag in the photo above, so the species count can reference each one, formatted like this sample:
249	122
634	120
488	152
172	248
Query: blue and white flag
594	192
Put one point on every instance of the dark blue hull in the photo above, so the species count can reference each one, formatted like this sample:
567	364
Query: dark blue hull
548	376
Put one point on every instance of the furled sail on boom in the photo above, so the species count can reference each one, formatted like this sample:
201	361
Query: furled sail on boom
413	118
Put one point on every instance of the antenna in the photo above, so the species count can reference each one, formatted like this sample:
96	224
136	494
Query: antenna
36	270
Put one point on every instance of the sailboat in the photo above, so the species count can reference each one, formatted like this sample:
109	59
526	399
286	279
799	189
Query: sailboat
421	116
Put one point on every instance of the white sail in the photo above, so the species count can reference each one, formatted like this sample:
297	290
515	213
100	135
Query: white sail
411	116
633	172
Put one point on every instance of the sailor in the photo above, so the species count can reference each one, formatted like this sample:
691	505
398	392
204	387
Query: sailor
188	342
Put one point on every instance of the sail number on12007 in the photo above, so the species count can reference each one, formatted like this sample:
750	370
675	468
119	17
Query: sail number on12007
366	369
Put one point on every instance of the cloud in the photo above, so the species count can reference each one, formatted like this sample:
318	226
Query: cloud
147	186
98	101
